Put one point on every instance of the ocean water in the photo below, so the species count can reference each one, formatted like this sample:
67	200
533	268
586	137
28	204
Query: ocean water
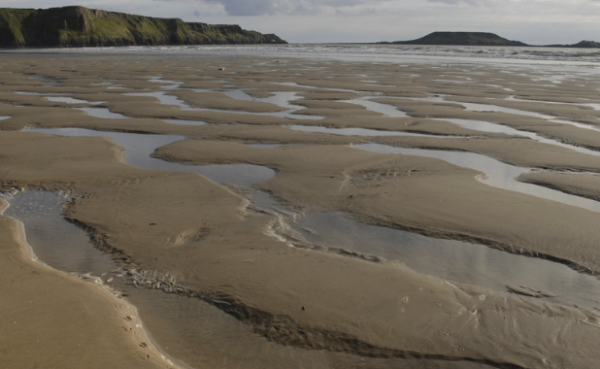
370	52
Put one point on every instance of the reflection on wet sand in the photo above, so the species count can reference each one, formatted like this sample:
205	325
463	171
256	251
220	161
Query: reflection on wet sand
227	290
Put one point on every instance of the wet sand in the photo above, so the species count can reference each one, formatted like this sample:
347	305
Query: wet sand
218	282
50	318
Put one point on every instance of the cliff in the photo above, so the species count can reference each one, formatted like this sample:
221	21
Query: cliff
479	39
463	39
76	26
582	45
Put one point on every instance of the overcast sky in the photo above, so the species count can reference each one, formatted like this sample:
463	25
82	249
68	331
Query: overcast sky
530	21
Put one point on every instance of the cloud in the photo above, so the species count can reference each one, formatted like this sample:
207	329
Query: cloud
246	7
290	7
457	2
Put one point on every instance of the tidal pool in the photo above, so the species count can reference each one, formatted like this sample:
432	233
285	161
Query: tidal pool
451	260
265	146
280	98
455	261
594	106
163	98
496	173
484	126
493	108
186	122
183	327
70	100
209	332
103	113
385	109
54	240
494	127
224	336
139	147
365	132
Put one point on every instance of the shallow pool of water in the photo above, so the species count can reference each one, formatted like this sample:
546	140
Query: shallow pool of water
455	261
206	326
163	98
359	132
70	100
168	83
186	122
265	146
103	113
594	106
30	93
54	240
280	99
385	109
493	108
497	174
480	125
184	327
48	81
139	147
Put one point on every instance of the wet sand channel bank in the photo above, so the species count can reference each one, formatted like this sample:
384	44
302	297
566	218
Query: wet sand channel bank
235	210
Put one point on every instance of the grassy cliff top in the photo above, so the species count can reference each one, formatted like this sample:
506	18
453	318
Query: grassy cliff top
76	26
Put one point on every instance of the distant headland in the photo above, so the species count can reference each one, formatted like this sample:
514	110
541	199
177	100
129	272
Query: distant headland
478	39
76	26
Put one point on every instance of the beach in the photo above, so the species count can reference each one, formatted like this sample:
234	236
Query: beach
262	212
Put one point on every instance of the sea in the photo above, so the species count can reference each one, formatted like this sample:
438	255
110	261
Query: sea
377	53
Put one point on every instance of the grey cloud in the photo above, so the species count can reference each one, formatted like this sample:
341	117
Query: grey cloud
457	2
261	7
246	7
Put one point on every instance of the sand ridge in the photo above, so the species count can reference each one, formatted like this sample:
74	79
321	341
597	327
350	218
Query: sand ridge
221	252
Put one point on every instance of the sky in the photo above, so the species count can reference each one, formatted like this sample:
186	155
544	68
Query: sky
534	22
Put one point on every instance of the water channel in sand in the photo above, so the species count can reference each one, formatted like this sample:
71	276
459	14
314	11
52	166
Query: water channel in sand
70	100
103	113
224	336
42	216
452	260
494	108
278	98
365	132
229	339
139	147
484	126
455	261
496	173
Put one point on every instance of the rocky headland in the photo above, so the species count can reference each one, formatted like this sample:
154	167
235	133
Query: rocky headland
76	26
479	39
462	38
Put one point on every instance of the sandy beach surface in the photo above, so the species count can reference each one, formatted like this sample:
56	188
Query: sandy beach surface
199	184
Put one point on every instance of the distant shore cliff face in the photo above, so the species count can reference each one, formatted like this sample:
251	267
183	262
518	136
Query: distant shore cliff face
463	39
478	39
76	26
